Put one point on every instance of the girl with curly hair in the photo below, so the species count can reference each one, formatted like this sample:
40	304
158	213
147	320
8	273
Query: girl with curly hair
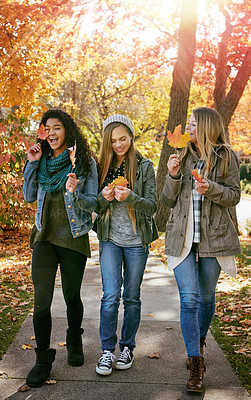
66	195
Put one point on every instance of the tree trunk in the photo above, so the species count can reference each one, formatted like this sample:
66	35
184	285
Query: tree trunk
180	91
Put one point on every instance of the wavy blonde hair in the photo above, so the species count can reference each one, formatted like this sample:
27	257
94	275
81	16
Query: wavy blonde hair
210	134
106	159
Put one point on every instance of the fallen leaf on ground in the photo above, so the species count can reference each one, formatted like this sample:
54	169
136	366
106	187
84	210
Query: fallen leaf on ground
24	388
168	328
62	344
150	315
154	355
27	346
32	338
50	382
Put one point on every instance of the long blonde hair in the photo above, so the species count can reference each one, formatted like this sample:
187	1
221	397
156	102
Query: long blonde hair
106	159
210	134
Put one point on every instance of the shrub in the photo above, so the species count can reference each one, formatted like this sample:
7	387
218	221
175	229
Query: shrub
245	172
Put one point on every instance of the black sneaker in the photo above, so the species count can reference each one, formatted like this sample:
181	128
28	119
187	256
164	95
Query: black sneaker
104	365
125	359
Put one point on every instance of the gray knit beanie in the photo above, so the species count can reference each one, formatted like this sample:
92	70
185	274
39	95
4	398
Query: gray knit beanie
119	118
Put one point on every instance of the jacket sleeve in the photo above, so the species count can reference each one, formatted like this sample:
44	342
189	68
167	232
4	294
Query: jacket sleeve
30	181
171	190
228	193
102	204
145	204
86	197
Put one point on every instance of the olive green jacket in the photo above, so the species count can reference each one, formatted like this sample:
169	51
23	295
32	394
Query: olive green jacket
218	233
142	199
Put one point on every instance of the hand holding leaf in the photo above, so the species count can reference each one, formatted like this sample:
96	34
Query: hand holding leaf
176	139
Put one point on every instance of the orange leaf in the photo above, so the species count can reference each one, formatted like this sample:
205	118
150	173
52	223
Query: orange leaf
154	355
176	139
42	133
73	154
196	176
27	346
119	181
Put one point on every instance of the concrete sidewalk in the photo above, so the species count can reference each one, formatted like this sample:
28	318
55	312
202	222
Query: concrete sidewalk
153	379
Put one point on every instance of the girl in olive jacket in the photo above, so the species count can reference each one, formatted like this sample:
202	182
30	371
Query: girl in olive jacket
125	228
200	234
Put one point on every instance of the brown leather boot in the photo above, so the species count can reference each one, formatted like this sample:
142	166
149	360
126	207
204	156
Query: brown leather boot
197	369
202	344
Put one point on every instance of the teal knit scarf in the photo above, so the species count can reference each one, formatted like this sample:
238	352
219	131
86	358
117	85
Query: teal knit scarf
53	172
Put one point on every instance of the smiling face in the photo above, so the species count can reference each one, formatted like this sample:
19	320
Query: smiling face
192	128
56	138
121	142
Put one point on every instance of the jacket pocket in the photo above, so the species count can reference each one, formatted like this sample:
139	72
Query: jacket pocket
219	236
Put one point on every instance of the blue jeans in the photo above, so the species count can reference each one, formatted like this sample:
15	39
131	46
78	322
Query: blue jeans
120	265
197	282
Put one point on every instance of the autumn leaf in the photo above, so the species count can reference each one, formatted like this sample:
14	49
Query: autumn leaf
176	139
62	344
42	133
50	382
154	355
73	154
119	181
27	346
24	388
197	177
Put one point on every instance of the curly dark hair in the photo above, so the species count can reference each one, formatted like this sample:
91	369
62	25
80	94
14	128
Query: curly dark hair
72	134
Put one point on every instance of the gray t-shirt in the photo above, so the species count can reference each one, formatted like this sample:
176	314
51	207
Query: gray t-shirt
121	229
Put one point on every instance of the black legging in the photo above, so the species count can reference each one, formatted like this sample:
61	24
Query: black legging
45	260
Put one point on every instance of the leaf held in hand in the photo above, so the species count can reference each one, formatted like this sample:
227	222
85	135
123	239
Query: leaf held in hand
73	154
176	139
42	133
119	181
196	176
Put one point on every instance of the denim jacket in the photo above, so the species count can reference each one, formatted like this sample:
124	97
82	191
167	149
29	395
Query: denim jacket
142	199
79	205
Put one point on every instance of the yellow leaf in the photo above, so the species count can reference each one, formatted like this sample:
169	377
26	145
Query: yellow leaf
27	346
51	382
176	139
62	344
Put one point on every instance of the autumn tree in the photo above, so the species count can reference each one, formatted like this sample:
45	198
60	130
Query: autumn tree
180	91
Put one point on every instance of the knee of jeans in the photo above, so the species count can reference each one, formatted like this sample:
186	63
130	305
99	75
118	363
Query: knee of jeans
207	299
189	301
111	299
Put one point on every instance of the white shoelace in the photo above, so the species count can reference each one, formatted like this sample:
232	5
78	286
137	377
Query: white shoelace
107	357
124	354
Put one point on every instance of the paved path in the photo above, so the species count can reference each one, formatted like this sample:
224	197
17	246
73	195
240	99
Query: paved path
153	379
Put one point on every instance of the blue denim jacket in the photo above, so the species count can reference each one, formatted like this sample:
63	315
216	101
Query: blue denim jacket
79	204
